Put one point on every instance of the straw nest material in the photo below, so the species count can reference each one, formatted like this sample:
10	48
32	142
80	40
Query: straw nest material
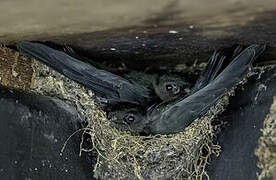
266	150
123	156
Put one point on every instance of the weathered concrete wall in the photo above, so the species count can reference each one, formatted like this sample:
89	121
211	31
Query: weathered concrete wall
31	18
142	34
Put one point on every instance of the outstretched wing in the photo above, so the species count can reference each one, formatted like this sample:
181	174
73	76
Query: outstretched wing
181	114
215	65
210	72
108	87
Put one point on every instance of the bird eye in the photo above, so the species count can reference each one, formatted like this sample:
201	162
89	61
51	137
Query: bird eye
172	87
129	118
169	87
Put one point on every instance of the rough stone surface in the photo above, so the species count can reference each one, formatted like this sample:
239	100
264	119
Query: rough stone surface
34	129
243	121
15	71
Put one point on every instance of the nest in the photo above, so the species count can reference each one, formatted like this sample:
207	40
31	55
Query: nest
121	155
178	156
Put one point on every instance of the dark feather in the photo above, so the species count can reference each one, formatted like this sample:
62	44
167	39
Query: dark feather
177	116
109	87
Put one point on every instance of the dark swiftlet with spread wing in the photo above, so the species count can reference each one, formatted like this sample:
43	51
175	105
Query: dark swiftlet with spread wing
173	117
108	87
143	114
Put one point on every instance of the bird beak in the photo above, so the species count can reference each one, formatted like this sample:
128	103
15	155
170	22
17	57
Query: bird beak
114	119
111	117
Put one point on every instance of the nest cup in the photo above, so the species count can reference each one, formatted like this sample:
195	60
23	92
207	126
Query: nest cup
178	156
183	155
121	155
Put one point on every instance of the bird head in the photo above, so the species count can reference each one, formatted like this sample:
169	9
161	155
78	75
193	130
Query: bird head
128	119
170	87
